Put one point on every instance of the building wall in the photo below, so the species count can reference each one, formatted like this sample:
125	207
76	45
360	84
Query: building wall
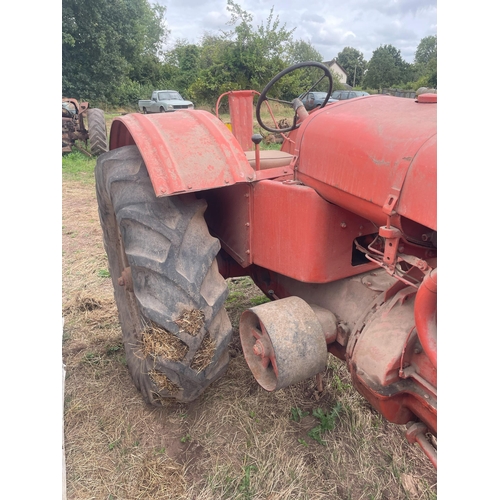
336	69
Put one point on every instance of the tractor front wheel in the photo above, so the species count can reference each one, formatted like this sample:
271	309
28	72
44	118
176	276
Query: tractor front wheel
98	137
168	290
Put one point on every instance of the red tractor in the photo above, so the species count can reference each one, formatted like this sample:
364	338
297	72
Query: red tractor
74	128
338	229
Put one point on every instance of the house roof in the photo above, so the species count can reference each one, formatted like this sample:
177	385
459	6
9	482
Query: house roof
332	62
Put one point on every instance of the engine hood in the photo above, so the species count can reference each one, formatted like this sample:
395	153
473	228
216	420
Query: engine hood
373	155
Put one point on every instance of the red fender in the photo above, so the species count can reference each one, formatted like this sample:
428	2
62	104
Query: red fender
184	151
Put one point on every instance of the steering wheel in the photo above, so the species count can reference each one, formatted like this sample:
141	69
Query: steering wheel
295	103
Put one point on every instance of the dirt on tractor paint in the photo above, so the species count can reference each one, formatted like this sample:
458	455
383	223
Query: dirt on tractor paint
236	441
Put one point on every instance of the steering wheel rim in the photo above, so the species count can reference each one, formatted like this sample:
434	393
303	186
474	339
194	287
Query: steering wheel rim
263	96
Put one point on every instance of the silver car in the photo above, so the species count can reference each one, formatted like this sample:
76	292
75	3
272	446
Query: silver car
313	100
342	95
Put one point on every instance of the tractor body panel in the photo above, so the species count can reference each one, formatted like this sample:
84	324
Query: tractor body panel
184	151
268	223
228	216
297	233
373	155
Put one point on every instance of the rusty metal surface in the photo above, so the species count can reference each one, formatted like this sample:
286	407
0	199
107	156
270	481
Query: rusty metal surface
241	115
297	233
377	350
379	353
384	355
241	112
229	217
184	151
73	126
426	315
385	139
347	298
415	433
283	342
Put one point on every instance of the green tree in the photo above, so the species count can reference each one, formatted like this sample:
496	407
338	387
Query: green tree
108	44
301	51
354	63
425	62
243	57
386	68
184	63
426	50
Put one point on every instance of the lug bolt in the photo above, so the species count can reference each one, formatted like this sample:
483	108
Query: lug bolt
258	348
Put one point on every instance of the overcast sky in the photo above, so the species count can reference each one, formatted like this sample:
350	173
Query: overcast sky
328	26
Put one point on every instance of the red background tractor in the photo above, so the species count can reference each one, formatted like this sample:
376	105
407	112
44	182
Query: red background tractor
81	123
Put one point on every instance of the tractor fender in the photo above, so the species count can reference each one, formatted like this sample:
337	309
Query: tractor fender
184	151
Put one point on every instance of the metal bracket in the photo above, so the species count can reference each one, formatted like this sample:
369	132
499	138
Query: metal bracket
392	235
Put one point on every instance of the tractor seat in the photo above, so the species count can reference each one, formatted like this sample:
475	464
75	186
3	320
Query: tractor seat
269	159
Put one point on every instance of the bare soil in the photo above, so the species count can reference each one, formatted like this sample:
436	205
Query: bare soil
236	441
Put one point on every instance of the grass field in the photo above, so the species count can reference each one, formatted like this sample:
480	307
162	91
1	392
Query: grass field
236	441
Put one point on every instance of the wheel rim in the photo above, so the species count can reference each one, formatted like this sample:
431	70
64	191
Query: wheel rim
259	351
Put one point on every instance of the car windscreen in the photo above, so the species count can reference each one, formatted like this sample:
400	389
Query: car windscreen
170	96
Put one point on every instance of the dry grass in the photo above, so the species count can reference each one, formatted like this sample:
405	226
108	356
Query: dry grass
163	382
191	322
236	441
157	341
204	354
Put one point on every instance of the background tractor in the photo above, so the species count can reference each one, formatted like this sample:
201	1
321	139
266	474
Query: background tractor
338	229
74	128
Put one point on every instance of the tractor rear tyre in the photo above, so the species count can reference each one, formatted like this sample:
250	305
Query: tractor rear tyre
98	137
168	290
